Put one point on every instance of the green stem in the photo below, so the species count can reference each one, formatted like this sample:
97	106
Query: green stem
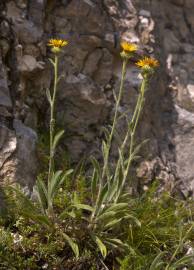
52	119
135	118
137	115
106	158
136	109
125	60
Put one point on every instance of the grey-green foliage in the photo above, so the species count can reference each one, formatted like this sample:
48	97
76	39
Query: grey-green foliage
47	194
157	237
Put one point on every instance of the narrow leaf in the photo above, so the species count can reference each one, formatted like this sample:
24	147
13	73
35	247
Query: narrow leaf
56	181
138	223
102	199
95	176
57	138
181	262
113	223
117	242
101	246
157	262
106	215
72	244
42	193
83	206
96	164
52	62
104	149
94	181
118	207
115	96
106	133
53	183
48	95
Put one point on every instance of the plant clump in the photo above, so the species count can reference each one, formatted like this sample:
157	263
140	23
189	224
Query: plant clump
96	223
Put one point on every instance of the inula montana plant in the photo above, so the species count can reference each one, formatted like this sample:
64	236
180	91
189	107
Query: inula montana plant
46	193
99	221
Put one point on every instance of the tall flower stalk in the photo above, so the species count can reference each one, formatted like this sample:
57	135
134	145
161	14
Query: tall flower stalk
111	184
130	134
128	51
47	192
118	100
52	119
147	66
56	45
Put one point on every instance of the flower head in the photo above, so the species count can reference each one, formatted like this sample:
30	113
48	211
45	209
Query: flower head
128	49
147	65
148	62
57	44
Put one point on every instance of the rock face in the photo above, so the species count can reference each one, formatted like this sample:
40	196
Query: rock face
90	67
174	102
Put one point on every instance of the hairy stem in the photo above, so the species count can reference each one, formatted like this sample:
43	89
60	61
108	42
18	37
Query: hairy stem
115	117
52	120
109	142
132	131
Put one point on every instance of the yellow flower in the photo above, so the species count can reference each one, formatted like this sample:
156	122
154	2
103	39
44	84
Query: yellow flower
147	62
57	44
128	47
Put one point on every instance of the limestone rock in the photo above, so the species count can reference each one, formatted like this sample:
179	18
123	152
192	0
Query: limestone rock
25	155
82	106
5	99
91	69
8	144
29	64
27	32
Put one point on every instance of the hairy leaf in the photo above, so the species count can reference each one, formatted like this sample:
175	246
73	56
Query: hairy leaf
83	207
100	245
57	138
72	244
42	194
48	95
